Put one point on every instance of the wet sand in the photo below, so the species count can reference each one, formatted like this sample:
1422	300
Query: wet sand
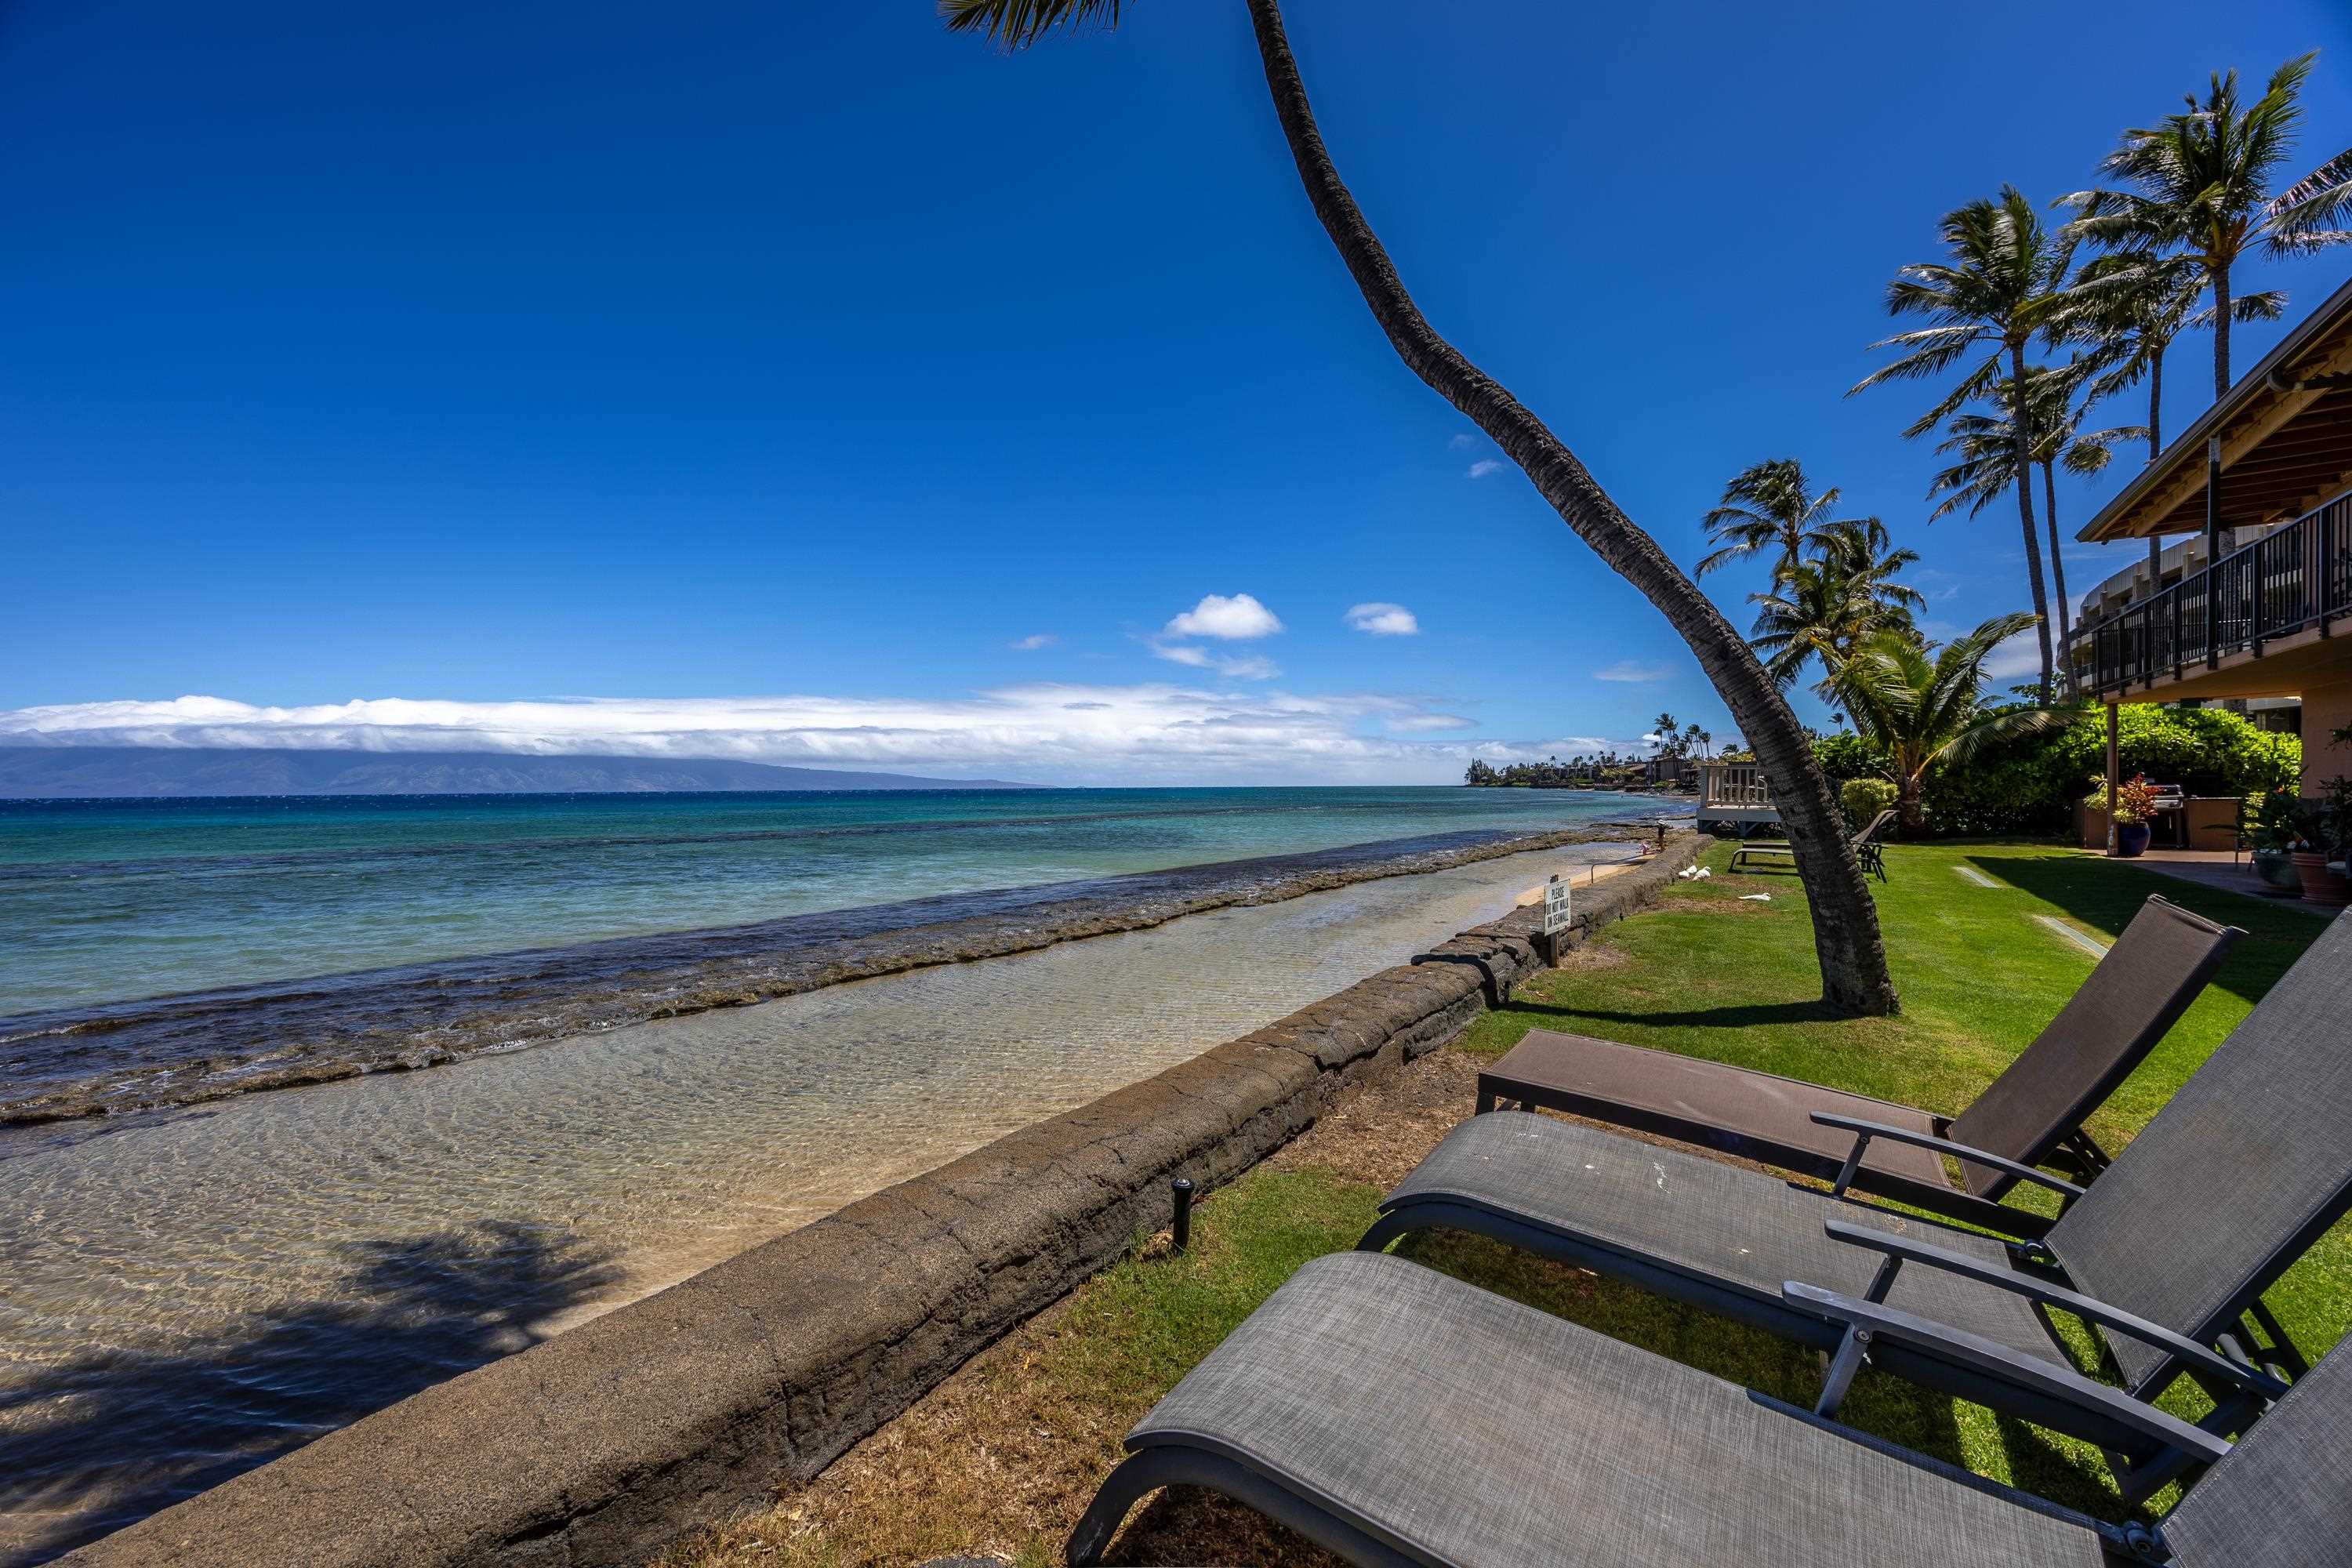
195	1293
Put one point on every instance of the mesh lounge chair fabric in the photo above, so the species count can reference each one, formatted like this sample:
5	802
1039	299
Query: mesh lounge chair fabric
2238	1175
1465	1428
2280	1498
1429	1421
2130	1001
2155	969
1715	1226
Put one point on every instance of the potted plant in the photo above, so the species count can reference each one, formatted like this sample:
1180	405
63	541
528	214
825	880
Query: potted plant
2268	825
2323	827
2135	806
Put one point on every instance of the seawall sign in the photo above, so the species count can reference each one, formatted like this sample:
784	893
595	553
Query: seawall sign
1556	915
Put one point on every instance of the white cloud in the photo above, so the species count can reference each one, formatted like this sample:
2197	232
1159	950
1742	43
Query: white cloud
1252	667
1239	618
2014	656
1937	583
1481	469
1384	620
1153	732
1461	441
1632	671
1034	641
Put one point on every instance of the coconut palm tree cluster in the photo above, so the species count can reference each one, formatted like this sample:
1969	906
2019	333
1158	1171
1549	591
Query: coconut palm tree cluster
1833	577
1595	769
2030	322
1835	608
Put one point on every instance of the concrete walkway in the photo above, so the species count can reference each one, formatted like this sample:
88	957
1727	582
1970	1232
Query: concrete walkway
2212	868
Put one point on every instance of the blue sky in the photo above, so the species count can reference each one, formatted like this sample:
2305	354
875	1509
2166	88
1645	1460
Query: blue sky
472	356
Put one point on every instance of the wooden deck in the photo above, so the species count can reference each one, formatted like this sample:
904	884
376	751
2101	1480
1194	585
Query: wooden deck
1734	793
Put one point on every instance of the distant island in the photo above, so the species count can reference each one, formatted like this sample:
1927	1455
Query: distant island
96	772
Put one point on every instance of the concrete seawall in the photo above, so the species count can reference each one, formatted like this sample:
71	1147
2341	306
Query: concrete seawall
605	1443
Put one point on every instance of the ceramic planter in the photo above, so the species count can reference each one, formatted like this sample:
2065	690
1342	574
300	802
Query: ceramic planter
2131	838
2321	884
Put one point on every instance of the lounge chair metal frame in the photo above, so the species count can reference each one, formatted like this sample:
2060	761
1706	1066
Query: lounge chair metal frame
1869	847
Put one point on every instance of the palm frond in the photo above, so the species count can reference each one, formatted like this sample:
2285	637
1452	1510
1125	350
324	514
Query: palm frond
1993	729
1017	24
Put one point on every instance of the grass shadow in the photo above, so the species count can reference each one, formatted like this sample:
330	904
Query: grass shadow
90	1444
2102	896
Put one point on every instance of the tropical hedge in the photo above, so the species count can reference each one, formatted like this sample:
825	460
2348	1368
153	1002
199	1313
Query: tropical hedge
2030	786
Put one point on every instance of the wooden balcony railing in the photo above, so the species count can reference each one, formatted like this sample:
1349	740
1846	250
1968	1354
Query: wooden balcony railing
2293	578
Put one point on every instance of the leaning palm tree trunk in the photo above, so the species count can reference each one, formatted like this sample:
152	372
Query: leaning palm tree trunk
1845	922
2058	570
2022	424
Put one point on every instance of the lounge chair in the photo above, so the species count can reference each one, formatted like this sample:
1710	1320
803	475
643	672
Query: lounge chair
1395	1415
2167	1253
1869	847
2032	1113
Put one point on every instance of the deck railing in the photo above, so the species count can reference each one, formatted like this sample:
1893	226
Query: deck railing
1732	784
2293	578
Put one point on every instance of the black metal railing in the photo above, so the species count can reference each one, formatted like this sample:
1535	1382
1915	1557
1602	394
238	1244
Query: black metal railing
2293	578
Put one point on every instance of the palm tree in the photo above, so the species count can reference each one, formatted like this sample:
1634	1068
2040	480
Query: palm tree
2133	304
1767	506
1824	608
2136	302
1985	448
1923	705
2004	282
2201	182
1663	730
1846	941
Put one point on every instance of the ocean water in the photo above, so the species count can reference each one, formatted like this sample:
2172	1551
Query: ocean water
158	952
192	1291
103	900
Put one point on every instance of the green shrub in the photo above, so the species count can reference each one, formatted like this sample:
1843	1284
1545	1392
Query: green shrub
2030	786
1846	755
1864	799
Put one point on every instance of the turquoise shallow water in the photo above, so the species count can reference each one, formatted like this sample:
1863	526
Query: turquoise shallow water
108	901
190	1292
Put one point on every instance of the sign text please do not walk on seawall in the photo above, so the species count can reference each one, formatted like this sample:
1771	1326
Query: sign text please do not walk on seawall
1556	917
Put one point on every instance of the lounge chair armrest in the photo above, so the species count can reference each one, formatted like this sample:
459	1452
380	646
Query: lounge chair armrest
2090	1308
1879	1321
1865	1131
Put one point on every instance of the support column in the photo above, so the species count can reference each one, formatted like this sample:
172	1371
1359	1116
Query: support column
2212	552
2114	762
